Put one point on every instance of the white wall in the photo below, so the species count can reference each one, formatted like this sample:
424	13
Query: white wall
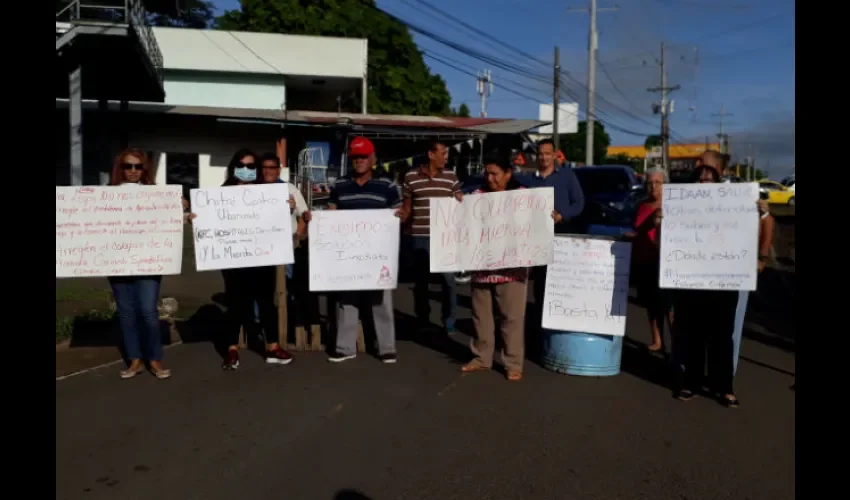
262	53
224	90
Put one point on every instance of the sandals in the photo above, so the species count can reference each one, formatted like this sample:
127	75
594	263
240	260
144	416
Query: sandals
729	401
514	376
160	374
131	372
474	367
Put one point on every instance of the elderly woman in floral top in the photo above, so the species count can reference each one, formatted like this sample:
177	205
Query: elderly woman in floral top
505	287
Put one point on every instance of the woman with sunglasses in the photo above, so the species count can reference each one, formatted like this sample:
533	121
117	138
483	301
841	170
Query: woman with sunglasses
136	297
246	286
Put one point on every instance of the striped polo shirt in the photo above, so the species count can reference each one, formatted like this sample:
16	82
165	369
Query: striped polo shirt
374	194
420	187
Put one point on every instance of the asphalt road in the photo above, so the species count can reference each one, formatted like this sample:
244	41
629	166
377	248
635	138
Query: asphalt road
421	430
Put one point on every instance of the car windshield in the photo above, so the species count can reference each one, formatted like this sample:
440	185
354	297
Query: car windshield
605	180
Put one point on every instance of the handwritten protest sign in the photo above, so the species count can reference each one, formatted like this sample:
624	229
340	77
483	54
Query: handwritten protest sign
492	231
354	250
587	287
125	230
242	226
709	236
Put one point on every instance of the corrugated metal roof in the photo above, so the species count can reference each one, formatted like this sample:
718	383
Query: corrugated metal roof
491	125
508	126
263	53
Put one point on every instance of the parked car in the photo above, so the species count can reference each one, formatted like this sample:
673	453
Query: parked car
602	219
777	193
608	185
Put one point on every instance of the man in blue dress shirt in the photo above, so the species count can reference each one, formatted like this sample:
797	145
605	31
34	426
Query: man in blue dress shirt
569	202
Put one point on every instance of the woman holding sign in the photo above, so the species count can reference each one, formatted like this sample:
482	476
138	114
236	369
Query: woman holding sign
136	297
705	321
507	288
246	286
646	259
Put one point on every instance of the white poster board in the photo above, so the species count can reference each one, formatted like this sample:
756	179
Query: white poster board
587	287
354	250
709	236
492	231
127	230
242	226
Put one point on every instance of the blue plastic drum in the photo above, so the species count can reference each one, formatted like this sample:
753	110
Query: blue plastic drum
584	354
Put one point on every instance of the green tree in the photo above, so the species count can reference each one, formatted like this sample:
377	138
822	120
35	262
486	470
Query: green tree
573	145
399	80
461	112
652	141
181	13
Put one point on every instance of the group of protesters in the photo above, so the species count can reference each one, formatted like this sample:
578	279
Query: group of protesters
704	320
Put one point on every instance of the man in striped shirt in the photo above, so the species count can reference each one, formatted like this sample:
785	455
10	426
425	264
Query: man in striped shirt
361	191
420	185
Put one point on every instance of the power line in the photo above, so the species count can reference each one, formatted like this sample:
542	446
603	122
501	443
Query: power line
498	62
442	60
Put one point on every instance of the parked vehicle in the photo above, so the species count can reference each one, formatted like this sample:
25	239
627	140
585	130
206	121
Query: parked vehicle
777	193
602	219
608	185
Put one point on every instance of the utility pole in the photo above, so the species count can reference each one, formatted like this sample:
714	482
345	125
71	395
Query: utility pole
484	85
592	46
724	139
665	107
556	101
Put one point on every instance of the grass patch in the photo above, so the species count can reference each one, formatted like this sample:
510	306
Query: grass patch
65	325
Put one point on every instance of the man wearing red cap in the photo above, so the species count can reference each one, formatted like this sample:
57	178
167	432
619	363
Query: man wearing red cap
361	191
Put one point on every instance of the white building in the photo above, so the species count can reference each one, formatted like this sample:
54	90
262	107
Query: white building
224	91
200	95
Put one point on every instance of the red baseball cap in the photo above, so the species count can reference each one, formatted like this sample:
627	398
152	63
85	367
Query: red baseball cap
360	146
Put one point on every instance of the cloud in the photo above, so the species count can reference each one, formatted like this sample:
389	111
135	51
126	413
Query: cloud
770	141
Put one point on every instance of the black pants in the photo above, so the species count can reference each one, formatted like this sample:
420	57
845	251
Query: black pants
243	287
704	321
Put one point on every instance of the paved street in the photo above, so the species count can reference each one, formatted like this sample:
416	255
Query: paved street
421	430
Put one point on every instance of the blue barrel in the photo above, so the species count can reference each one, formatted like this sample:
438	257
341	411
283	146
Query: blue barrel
585	354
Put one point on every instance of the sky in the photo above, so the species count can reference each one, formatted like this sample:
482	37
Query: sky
736	55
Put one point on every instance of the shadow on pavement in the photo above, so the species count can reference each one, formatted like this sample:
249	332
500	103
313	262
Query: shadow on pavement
407	328
771	310
653	367
350	495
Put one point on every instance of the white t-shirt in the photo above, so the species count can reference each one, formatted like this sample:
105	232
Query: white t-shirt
300	205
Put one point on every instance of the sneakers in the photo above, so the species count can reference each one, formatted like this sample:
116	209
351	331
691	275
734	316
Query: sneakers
278	356
231	360
338	357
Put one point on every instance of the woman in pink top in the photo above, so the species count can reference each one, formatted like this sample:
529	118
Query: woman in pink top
506	288
645	256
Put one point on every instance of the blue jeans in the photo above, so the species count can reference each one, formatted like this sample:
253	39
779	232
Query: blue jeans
422	266
136	299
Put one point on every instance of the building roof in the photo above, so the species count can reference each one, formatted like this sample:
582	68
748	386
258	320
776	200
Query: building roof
360	122
261	53
677	151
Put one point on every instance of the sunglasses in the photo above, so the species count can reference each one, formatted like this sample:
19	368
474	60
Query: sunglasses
252	166
132	166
